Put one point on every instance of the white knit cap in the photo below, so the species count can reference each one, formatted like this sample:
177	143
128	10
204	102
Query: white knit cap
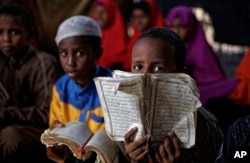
77	26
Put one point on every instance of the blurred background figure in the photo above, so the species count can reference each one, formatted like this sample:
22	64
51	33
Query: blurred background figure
201	62
242	92
26	80
144	14
114	35
237	138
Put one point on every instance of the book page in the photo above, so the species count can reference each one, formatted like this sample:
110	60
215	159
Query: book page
174	103
122	103
107	150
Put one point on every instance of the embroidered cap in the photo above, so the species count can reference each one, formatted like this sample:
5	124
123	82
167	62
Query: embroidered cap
77	26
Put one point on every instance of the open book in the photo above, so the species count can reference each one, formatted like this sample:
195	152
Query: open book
82	142
155	103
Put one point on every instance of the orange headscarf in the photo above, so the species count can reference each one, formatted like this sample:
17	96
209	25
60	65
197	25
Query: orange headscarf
241	93
114	36
157	20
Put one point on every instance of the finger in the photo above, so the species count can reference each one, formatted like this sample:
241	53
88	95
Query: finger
166	150
130	135
158	157
176	144
131	147
167	143
139	153
57	124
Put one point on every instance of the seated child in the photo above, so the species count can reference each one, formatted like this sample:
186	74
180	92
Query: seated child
159	50
74	96
27	77
237	139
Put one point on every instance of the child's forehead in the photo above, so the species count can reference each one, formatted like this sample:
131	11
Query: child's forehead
153	49
10	18
153	43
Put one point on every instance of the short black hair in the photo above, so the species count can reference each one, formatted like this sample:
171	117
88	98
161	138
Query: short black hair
170	38
18	12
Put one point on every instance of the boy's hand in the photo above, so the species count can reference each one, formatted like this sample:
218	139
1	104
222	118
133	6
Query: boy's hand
56	124
138	149
169	151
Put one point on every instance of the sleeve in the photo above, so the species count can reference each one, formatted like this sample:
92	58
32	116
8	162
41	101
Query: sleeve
55	107
39	81
56	153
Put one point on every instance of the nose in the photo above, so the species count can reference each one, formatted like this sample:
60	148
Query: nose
6	36
71	60
146	70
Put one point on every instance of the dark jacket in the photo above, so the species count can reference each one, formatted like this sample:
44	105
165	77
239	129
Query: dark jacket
28	83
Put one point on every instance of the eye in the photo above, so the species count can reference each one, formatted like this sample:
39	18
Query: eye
137	67
14	32
63	53
158	68
80	53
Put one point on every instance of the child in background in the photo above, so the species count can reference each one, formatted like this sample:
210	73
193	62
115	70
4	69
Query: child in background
201	61
218	94
27	77
159	50
114	34
145	14
74	96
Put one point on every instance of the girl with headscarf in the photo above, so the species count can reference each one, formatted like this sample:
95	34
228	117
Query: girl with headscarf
145	14
114	35
201	61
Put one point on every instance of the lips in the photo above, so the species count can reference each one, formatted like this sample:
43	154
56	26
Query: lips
7	48
71	72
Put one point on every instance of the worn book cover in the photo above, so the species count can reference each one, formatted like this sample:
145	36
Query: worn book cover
82	142
155	103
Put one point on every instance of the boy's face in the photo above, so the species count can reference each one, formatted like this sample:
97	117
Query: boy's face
13	35
152	55
77	58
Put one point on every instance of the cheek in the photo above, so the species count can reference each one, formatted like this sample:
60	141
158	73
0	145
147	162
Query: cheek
19	41
184	34
85	62
63	62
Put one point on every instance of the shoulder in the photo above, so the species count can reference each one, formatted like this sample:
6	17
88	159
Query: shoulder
42	56
63	83
207	121
240	131
101	71
208	136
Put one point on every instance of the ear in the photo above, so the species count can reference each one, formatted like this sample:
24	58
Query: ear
98	52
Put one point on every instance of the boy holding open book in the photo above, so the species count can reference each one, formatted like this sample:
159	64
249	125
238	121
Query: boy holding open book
159	50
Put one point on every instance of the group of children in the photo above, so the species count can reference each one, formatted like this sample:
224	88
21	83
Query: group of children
36	98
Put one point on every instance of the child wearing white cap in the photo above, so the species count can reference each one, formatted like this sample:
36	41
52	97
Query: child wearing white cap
74	96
